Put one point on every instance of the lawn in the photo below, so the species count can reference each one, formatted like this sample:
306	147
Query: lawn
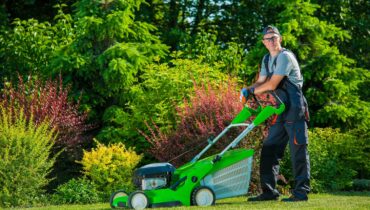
340	200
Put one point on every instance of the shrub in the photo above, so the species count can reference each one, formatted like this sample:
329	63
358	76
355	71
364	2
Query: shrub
48	100
110	167
76	191
25	150
331	154
360	162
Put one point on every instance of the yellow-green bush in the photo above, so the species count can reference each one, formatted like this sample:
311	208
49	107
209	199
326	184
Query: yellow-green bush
25	158
110	167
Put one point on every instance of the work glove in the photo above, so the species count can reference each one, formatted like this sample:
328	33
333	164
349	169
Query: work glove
245	93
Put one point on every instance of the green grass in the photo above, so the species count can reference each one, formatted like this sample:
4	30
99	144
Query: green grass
340	200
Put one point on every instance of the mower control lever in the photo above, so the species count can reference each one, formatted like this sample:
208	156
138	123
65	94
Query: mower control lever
217	158
276	96
256	100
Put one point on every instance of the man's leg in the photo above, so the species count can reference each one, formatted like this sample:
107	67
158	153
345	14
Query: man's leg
300	160
272	151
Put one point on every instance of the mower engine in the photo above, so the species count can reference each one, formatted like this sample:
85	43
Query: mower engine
153	176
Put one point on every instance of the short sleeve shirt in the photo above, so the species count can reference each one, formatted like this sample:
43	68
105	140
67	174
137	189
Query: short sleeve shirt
286	65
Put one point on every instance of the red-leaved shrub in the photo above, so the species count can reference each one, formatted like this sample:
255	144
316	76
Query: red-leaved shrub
48	100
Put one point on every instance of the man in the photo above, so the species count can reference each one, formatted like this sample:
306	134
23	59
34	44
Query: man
280	72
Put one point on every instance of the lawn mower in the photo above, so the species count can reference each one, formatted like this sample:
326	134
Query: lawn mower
201	181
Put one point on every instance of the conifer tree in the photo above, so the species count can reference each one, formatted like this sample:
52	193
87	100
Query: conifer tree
109	51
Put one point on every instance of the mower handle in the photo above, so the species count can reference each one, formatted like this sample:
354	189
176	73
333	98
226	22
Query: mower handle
272	92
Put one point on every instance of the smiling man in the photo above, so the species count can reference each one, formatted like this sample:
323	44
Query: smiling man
280	72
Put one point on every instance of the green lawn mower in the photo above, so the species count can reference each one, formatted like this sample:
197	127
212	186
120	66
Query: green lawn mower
201	181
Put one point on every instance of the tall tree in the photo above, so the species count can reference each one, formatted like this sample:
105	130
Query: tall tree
172	17
353	16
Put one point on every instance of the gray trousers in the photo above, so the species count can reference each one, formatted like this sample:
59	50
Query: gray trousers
273	150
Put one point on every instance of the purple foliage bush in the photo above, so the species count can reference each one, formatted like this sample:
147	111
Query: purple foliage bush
48	100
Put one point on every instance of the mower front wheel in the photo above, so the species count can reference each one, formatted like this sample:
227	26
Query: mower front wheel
138	200
115	195
203	196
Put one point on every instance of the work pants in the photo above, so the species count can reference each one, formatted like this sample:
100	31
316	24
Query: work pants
273	150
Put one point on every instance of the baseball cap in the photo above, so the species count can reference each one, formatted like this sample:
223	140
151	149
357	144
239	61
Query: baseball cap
270	30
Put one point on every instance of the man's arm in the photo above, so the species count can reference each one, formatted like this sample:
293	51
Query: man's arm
261	79
269	85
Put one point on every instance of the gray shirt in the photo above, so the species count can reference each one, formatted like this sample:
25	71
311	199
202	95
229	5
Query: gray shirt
286	65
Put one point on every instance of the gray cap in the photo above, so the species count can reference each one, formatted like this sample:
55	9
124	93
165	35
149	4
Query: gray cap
270	30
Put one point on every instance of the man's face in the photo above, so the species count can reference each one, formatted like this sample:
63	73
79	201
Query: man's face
272	41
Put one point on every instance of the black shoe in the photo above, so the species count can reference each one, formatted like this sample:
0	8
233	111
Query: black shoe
264	197
294	199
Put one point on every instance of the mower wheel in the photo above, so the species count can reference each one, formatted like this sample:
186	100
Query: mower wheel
203	196
119	193
138	200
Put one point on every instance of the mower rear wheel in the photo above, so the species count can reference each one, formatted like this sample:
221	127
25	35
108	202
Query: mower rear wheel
203	196
119	193
138	200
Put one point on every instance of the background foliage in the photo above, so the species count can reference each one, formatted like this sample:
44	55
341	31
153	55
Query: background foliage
163	87
123	72
27	47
